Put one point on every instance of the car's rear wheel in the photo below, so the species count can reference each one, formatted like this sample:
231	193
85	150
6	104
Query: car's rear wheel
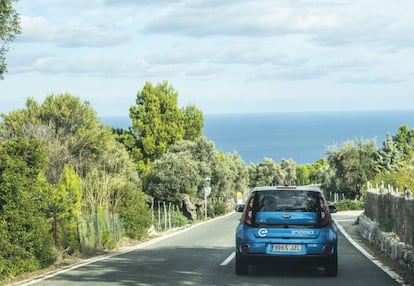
331	266
242	267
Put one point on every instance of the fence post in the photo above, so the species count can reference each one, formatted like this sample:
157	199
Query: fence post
159	215
169	215
165	215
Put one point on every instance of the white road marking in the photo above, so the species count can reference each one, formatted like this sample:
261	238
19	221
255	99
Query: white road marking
228	259
378	263
63	270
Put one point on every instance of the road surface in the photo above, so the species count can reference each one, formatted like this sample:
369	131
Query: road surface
203	255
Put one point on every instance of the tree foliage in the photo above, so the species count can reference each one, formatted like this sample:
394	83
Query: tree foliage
266	173
68	126
158	122
156	119
353	164
396	161
404	139
172	176
9	28
181	172
88	180
65	208
390	156
135	212
193	122
25	243
289	169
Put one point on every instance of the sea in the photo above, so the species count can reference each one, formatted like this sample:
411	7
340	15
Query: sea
303	137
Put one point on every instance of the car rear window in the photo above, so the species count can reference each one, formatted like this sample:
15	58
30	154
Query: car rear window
288	200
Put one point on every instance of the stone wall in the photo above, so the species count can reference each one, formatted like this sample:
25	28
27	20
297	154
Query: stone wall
387	242
393	211
388	223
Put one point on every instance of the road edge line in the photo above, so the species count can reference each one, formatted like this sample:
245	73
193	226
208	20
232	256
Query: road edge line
395	276
141	245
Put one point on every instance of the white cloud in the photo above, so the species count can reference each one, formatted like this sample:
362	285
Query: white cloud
250	18
219	47
72	34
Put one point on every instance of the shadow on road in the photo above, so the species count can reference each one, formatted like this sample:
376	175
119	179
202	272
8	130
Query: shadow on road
181	266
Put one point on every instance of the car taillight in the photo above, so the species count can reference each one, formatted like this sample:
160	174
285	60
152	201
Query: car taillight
248	216
328	249
324	216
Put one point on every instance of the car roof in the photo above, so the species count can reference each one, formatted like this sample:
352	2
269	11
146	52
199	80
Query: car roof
275	188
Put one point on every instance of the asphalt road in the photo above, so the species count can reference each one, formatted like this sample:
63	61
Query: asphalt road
203	256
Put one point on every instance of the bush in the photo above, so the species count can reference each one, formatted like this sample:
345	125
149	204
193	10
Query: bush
220	208
135	213
346	205
178	219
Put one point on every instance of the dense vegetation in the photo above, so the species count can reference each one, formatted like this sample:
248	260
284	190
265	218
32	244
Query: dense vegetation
70	185
9	28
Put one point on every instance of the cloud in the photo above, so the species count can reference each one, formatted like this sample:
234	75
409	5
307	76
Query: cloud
249	18
72	34
203	71
372	80
198	39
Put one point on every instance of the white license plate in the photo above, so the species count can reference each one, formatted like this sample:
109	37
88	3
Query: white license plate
287	248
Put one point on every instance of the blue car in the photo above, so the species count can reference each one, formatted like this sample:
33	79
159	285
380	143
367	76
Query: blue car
286	222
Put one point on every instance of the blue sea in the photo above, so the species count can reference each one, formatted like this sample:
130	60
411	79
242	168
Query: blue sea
303	137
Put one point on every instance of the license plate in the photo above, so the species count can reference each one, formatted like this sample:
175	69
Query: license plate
287	248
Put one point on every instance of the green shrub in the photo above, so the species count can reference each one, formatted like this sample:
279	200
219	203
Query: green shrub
135	213
345	205
220	208
178	219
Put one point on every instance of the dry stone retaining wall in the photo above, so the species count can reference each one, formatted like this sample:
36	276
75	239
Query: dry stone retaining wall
388	223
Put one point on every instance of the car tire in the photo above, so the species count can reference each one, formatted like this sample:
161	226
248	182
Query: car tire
242	267
331	266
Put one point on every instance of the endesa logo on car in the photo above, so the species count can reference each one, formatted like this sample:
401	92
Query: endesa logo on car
302	232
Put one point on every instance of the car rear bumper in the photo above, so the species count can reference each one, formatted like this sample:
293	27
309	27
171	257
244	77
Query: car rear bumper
255	258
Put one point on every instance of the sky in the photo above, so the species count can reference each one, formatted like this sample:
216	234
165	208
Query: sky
230	56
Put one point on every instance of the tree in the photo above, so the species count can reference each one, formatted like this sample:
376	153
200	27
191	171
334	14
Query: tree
390	157
158	122
69	127
289	168
404	139
353	165
266	173
193	122
65	207
172	176
303	174
78	147
156	119
135	213
25	243
9	28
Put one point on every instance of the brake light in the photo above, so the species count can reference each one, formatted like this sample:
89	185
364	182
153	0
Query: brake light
327	249
248	215
286	187
245	247
324	216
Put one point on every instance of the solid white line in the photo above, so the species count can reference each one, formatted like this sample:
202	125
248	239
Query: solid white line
142	245
378	263
228	259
